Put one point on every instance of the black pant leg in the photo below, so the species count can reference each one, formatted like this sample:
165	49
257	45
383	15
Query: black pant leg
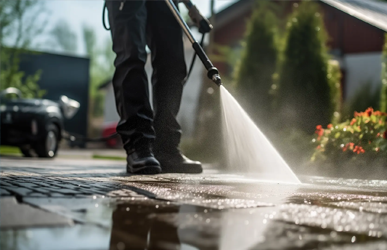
166	44
128	29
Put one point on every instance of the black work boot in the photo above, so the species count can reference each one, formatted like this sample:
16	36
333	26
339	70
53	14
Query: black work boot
176	162
140	160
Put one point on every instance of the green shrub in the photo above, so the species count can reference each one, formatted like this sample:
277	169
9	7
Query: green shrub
254	72
304	94
365	133
383	96
12	76
363	98
334	77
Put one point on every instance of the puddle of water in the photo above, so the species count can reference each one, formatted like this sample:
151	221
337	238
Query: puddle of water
64	238
174	226
96	211
371	224
210	213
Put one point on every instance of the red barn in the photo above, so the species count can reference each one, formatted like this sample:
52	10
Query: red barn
356	31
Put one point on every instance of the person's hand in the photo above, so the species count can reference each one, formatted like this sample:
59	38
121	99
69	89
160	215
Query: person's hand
197	18
195	15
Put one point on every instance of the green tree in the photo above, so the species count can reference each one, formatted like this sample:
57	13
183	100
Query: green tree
20	23
254	73
383	97
63	37
334	78
304	95
101	67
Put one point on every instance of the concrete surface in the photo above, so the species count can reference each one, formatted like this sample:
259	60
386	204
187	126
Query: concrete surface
214	210
15	215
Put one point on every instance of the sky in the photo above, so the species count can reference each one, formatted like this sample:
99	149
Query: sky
79	12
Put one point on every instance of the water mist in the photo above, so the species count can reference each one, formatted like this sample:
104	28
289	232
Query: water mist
248	149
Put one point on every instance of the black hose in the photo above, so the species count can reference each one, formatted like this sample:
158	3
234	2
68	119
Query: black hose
193	61
73	138
103	17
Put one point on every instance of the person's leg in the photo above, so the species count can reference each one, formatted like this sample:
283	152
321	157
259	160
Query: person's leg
165	40
169	69
128	28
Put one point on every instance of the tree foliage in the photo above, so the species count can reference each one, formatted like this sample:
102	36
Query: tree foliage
304	94
101	66
20	23
254	73
383	97
64	37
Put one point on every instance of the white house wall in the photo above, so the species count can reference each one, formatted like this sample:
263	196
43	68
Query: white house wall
361	69
110	111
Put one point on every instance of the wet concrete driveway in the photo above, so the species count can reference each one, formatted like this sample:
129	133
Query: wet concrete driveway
109	209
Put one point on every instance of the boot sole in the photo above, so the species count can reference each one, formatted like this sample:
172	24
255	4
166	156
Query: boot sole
144	170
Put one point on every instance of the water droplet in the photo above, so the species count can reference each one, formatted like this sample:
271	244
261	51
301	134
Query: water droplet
96	205
157	206
127	209
120	246
208	220
353	239
94	197
205	211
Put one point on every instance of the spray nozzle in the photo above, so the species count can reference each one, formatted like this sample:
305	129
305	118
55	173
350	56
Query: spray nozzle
213	74
217	80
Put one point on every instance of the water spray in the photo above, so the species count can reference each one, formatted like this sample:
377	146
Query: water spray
212	71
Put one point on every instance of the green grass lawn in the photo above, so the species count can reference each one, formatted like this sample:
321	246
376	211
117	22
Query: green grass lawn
104	157
8	150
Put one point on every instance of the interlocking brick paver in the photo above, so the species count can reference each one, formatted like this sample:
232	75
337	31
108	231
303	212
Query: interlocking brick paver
4	192
58	195
41	179
19	191
28	185
37	195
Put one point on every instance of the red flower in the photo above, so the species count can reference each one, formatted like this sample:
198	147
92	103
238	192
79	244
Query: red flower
330	126
358	150
319	131
353	121
378	135
369	111
377	113
349	145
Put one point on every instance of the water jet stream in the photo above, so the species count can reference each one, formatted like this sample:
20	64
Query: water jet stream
248	149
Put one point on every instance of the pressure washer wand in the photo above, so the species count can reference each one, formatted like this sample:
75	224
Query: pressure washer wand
212	71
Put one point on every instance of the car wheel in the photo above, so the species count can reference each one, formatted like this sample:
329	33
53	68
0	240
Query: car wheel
26	151
48	147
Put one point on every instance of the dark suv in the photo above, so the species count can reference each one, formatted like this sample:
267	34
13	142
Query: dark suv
34	125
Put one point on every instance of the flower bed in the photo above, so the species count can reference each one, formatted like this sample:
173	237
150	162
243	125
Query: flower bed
356	145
